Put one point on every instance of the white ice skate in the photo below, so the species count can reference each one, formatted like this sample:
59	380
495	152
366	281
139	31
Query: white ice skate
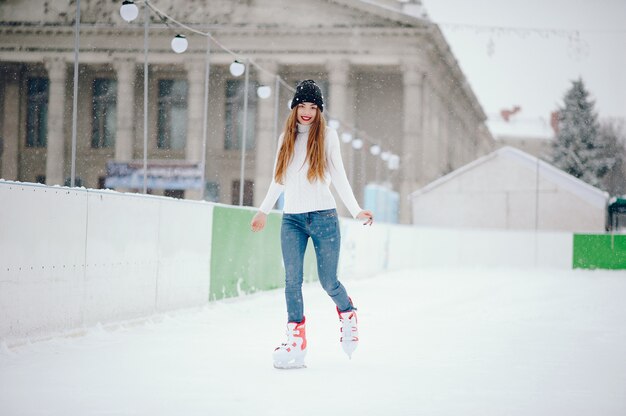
349	331
290	354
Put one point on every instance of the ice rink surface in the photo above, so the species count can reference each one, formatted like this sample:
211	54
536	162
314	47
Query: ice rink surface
433	342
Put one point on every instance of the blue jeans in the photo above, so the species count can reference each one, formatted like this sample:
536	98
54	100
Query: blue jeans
323	228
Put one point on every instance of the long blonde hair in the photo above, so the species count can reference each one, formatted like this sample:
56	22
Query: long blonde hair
315	147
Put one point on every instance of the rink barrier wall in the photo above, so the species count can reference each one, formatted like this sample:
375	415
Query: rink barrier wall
71	258
245	262
594	251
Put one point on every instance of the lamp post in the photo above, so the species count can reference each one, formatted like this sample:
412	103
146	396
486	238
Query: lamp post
129	12
276	104
245	128
75	98
357	144
375	151
205	113
346	137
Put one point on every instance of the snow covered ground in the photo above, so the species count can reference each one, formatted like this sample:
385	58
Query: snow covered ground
433	342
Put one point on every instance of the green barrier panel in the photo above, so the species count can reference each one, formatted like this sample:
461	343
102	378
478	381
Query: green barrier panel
244	262
605	251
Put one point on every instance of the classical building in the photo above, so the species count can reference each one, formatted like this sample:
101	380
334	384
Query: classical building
386	71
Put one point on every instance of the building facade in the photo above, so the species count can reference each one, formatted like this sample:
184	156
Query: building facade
385	69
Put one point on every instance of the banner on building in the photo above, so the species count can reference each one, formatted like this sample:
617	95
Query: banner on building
160	174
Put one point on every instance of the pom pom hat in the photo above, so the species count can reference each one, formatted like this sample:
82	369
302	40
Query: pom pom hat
308	92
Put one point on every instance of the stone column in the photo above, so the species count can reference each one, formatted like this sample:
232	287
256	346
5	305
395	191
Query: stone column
266	143
124	139
55	161
337	101
10	127
337	105
412	142
195	107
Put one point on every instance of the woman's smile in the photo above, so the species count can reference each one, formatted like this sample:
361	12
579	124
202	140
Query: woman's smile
306	113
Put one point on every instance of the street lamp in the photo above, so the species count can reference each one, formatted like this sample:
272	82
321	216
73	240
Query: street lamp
346	137
333	124
375	150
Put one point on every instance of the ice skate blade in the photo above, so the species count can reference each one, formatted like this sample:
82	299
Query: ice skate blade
289	366
349	347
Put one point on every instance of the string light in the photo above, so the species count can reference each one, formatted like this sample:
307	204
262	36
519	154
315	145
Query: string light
375	150
179	43
129	12
264	91
237	68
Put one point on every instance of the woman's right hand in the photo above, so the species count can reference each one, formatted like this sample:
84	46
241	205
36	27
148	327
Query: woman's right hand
258	222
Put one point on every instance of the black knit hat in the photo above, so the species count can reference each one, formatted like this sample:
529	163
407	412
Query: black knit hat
308	92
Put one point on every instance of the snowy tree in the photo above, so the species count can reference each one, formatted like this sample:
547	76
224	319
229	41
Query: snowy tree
579	148
613	135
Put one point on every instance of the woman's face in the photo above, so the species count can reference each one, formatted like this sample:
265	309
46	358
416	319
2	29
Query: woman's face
306	113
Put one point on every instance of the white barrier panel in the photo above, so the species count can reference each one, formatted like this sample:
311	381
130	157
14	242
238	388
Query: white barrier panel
122	257
440	247
70	258
42	258
184	254
364	249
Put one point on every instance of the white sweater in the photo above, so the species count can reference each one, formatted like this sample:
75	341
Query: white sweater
304	196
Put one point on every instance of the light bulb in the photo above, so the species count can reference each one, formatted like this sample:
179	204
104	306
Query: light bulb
394	162
333	124
375	150
129	11
179	44
357	144
346	137
237	68
264	91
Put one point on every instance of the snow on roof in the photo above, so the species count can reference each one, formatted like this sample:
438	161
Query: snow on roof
520	128
582	189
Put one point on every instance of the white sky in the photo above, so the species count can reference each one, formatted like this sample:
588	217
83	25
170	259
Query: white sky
533	70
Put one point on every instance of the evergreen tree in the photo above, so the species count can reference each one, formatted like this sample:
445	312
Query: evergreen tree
578	148
613	137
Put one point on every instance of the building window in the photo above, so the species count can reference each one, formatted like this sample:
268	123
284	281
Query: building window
212	192
37	112
234	115
172	118
248	193
174	193
104	112
78	182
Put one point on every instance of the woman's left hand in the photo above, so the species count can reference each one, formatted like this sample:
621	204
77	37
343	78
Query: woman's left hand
366	215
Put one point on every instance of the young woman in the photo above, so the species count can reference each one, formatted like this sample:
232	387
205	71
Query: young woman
308	159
